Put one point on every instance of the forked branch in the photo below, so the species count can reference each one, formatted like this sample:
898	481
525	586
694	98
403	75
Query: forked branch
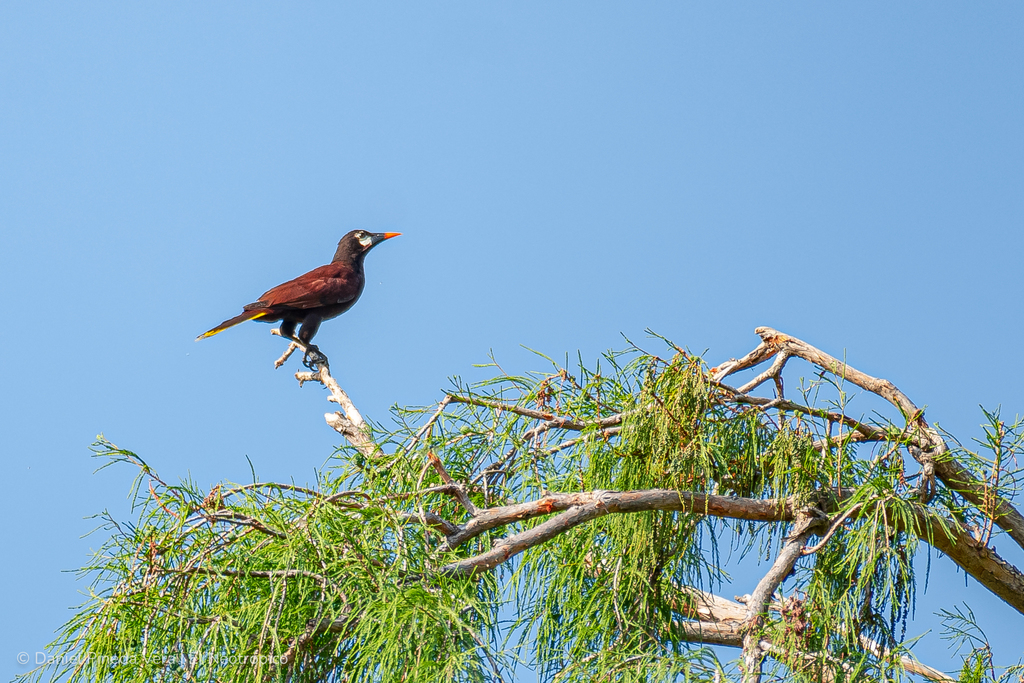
931	450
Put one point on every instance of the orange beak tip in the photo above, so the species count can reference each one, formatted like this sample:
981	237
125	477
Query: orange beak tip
389	235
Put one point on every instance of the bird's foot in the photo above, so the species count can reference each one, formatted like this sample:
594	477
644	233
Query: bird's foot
314	358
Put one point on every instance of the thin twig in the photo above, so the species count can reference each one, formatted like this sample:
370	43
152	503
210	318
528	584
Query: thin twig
611	431
832	529
260	574
459	491
441	405
292	347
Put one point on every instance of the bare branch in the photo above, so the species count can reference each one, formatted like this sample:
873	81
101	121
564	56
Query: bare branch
981	562
292	347
720	622
627	501
809	521
774	372
577	508
350	424
759	355
949	471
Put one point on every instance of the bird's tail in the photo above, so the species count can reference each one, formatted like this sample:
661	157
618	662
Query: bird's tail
247	315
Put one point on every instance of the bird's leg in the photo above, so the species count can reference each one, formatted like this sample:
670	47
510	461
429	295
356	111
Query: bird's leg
313	356
287	329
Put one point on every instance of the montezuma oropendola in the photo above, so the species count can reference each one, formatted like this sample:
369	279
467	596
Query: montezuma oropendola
321	294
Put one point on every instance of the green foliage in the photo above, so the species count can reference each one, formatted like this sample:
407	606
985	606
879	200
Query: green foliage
960	627
221	585
345	580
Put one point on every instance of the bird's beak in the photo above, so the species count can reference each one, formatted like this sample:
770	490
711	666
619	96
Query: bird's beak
379	237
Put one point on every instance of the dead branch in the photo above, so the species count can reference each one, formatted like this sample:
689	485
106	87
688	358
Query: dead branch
292	347
933	451
349	424
774	372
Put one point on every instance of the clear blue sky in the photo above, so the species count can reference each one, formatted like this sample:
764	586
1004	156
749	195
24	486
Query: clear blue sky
850	173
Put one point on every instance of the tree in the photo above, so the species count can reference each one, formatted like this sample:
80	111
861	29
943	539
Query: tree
572	521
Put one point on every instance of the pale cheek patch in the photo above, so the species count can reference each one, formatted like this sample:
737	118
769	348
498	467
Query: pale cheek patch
365	241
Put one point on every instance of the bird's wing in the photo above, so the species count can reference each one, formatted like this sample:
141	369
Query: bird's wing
324	286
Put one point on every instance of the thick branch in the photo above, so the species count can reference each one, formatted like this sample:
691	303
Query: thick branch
349	424
974	557
720	622
978	560
625	501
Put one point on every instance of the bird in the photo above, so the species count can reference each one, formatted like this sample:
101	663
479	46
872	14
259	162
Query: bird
308	300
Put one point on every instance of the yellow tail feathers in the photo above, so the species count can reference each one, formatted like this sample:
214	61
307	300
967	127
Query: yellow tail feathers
248	315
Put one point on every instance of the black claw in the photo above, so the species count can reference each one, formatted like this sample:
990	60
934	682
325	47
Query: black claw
314	358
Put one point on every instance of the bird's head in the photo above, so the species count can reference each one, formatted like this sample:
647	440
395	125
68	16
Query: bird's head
356	243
